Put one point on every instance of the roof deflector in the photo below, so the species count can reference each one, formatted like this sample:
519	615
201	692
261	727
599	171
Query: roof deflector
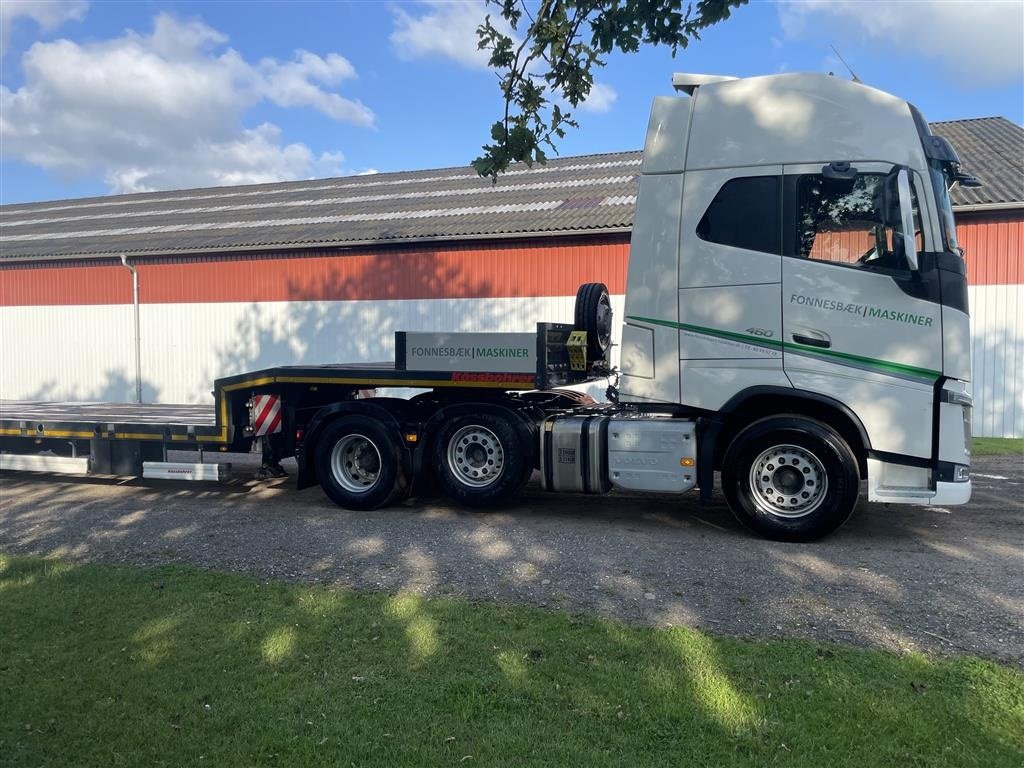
688	82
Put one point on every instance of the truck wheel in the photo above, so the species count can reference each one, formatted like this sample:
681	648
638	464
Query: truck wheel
359	465
593	314
790	478
480	460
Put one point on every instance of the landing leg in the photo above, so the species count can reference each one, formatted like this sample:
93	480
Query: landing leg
271	466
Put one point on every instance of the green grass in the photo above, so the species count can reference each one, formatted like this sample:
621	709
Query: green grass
996	446
105	666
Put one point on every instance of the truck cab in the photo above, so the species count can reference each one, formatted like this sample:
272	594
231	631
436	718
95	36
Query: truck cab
794	253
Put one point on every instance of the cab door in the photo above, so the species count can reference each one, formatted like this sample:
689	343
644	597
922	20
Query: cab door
730	281
857	325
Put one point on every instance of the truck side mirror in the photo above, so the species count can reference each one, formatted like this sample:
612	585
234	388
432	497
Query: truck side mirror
907	218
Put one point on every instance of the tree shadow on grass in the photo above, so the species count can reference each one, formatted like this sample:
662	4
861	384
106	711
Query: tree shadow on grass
919	578
181	666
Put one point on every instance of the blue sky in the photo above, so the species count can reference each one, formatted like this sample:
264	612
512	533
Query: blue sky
120	97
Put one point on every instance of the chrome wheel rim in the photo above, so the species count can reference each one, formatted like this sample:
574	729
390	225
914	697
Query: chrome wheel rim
604	322
788	481
355	463
475	456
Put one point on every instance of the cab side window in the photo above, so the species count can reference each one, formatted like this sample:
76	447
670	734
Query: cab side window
848	221
745	213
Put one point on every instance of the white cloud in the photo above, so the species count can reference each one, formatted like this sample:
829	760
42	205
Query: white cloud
166	109
977	41
251	157
293	84
48	15
445	29
600	99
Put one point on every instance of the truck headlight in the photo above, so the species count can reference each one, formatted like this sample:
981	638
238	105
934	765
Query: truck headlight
961	473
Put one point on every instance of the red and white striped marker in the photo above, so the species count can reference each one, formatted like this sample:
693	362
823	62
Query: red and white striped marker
266	414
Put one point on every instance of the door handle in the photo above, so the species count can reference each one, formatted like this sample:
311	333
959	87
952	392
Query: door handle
813	339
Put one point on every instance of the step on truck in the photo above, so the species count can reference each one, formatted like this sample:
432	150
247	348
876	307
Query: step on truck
795	318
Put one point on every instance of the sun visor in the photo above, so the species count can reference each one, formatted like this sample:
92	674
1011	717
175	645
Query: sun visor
690	82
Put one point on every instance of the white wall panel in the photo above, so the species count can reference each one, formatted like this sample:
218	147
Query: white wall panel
87	352
67	353
997	331
187	346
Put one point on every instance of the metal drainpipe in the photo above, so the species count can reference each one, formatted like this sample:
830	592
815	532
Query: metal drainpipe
138	343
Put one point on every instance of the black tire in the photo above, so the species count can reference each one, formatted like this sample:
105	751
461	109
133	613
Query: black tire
593	314
359	463
808	483
480	460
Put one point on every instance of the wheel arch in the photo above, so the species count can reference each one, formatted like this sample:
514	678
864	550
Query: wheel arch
518	433
516	413
757	402
384	410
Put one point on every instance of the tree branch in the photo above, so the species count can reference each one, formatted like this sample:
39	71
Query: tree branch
554	35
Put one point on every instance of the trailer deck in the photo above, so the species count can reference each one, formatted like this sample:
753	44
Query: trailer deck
210	423
544	362
109	413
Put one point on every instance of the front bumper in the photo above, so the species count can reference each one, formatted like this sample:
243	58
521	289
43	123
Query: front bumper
894	483
951	494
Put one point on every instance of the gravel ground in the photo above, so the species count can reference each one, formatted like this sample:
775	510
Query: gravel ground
925	578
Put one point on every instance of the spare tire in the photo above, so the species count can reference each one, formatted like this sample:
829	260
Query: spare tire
594	315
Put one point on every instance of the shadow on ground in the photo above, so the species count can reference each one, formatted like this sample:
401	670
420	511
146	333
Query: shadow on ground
946	580
182	667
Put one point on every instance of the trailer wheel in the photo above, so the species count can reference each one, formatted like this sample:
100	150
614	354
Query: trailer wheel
480	460
359	464
593	314
790	478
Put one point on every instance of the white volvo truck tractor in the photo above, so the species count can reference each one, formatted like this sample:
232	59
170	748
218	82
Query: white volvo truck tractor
795	318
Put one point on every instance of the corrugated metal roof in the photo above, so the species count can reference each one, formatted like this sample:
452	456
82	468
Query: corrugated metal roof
992	148
568	195
590	193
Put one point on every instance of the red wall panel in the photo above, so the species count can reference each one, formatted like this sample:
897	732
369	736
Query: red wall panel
27	285
993	247
539	268
544	267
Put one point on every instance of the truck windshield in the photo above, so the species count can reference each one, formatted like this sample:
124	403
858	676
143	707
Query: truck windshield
940	183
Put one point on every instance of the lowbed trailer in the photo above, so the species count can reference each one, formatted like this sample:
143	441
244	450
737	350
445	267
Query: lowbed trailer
286	403
796	318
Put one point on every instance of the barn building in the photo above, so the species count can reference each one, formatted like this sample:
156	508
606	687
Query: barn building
240	278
